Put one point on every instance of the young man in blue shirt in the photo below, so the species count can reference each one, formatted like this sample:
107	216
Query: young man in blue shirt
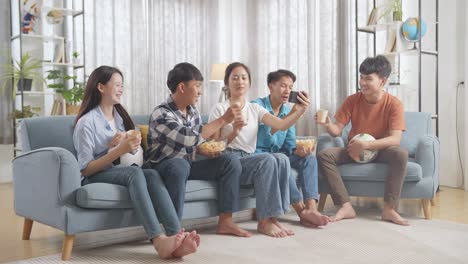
281	84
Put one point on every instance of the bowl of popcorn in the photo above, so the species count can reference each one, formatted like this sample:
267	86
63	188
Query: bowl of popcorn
213	146
307	142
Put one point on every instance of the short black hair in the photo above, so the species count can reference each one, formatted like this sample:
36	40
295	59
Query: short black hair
182	72
277	75
378	64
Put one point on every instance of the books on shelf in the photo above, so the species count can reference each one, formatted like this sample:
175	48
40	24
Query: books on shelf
391	44
57	107
373	16
59	52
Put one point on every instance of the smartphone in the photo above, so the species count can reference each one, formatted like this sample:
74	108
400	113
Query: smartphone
293	97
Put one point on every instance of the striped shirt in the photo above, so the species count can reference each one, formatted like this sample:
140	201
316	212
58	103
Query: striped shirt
172	134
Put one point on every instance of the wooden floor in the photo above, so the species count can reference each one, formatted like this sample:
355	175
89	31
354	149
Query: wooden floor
451	205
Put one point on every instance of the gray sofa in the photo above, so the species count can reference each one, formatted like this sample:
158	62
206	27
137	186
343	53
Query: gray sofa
47	186
422	171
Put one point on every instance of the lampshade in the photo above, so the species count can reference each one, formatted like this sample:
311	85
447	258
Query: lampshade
217	71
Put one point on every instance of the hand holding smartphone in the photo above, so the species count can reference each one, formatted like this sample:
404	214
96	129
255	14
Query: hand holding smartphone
293	97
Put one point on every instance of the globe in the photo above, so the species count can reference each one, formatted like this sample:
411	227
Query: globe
366	155
409	29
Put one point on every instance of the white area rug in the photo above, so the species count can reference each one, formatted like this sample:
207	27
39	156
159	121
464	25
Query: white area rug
361	240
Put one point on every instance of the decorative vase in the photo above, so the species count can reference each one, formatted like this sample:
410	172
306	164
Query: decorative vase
24	85
397	16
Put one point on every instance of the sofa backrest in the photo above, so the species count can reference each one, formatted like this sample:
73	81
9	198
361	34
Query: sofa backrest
54	131
417	124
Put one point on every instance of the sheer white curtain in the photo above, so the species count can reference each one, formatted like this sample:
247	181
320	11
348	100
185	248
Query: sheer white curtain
313	39
6	106
145	39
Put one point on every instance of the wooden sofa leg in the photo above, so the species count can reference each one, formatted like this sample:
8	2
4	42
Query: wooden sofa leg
67	246
433	202
322	201
27	227
426	204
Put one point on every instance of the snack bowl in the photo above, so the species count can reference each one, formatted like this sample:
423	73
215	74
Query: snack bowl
213	146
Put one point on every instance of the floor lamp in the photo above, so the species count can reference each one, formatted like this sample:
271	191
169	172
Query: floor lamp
217	76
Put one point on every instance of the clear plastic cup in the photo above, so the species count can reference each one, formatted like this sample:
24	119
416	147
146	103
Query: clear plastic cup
322	115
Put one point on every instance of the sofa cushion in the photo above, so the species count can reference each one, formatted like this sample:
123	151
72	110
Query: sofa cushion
377	172
111	196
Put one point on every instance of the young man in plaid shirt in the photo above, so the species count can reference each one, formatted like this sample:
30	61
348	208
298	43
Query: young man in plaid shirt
176	131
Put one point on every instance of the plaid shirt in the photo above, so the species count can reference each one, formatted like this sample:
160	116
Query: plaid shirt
171	135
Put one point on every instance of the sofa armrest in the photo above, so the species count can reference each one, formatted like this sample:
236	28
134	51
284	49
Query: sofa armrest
427	155
326	141
45	181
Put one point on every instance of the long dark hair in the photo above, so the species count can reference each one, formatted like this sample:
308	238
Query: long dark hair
92	96
228	72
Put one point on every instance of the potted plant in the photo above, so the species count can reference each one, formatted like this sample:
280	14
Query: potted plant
23	73
396	9
76	57
28	111
72	96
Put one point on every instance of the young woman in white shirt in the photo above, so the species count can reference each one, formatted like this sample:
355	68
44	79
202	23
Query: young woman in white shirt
269	173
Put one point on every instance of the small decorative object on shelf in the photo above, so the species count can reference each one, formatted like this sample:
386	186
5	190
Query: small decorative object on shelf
410	30
30	13
55	16
76	58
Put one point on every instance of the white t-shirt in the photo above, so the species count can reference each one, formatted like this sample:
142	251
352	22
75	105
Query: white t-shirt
247	138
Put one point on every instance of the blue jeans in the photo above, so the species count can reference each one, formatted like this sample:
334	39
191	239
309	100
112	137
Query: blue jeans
307	175
269	179
149	197
225	169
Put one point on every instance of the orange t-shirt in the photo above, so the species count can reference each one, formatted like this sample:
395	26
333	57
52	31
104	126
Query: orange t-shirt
374	119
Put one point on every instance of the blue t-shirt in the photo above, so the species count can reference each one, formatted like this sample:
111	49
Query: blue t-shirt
281	141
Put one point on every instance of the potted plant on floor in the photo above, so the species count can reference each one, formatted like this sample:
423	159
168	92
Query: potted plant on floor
72	96
23	73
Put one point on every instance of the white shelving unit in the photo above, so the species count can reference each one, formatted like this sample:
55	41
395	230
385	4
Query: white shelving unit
50	43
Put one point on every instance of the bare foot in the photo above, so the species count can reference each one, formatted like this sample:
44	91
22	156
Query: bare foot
165	245
313	217
390	215
189	245
269	228
289	232
345	212
230	228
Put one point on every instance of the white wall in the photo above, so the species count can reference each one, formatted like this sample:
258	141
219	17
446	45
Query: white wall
451	65
465	166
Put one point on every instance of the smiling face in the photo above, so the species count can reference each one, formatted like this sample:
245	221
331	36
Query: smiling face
371	84
279	90
112	91
238	82
191	90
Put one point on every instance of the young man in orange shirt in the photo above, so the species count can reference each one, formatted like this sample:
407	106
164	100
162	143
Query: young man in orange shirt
375	112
